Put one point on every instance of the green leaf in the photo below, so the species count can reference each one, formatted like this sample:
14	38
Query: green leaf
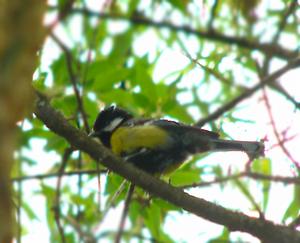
153	220
113	183
294	208
179	4
28	210
49	193
59	71
55	143
115	189
142	101
133	4
122	44
118	96
39	83
141	77
182	178
28	161
165	206
135	211
67	104
218	171
91	108
106	73
179	112
223	237
264	165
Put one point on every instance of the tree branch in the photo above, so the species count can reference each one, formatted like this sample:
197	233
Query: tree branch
265	230
266	48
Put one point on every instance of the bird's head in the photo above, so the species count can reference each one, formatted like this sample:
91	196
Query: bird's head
107	121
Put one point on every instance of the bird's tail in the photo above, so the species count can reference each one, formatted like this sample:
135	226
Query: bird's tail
253	149
199	140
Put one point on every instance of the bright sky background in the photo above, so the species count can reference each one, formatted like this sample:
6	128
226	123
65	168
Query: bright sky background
186	227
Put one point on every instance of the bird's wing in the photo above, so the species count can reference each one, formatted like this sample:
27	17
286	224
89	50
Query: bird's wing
181	128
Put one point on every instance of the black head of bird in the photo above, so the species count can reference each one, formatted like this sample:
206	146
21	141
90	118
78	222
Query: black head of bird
107	121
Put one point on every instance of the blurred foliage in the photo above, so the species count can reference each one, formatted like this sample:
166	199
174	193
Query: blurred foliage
113	62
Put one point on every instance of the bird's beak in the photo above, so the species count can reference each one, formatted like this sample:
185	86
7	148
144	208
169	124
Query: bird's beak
92	134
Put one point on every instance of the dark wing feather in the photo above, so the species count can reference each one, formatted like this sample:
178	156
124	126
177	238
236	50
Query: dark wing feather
155	160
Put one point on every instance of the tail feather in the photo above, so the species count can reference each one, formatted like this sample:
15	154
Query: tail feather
197	140
253	149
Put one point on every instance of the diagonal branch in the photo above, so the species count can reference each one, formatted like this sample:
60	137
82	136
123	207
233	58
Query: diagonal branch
247	93
291	9
73	79
265	230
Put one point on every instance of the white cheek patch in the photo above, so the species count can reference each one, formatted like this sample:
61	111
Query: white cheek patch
113	124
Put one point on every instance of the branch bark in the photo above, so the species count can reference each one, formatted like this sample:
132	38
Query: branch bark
265	230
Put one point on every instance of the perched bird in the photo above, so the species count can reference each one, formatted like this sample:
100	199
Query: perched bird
159	146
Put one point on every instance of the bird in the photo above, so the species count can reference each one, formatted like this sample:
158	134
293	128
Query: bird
160	146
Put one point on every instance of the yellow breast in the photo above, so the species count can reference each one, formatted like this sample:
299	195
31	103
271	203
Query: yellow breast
128	139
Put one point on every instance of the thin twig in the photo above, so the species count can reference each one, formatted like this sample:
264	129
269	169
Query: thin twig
215	181
283	92
111	202
85	235
63	13
291	9
73	79
55	174
249	196
79	184
99	186
56	207
281	142
92	43
208	69
282	179
286	139
212	15
253	175
124	213
265	68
